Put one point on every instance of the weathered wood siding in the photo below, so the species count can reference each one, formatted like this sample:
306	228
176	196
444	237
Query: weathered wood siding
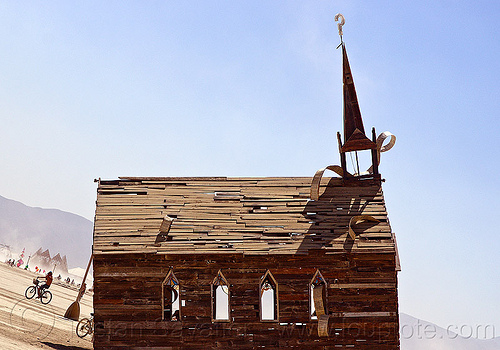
362	299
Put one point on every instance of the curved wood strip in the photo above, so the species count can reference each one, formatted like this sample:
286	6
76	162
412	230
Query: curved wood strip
316	181
356	220
323	325
383	148
319	306
382	137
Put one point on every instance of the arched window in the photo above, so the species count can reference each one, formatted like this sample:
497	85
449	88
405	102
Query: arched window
170	293
220	298
318	294
269	310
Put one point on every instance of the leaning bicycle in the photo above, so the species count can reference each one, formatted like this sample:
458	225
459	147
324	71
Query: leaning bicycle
85	326
44	295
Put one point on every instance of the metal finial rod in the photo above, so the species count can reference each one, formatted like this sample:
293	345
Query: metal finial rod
340	24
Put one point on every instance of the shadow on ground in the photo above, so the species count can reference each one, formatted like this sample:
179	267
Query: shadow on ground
62	347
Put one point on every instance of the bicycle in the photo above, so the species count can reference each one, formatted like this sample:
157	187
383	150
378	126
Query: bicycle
44	295
85	326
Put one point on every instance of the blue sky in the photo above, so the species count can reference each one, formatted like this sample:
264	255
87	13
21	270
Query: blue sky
239	88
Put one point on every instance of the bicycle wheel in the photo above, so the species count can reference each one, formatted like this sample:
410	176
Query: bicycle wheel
83	327
46	297
30	292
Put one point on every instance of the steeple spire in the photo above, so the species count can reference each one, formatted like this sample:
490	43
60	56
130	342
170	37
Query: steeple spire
354	132
355	138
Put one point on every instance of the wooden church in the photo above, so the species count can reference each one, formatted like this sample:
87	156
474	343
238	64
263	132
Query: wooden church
250	263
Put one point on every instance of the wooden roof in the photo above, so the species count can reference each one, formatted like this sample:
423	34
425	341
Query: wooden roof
272	215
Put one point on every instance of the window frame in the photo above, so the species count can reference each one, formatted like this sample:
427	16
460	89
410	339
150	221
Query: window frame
267	275
311	297
169	275
213	287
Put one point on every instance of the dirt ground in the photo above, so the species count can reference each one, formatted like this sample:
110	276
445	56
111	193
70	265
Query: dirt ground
28	324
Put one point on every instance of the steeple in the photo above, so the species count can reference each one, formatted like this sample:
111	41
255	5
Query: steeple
355	138
354	132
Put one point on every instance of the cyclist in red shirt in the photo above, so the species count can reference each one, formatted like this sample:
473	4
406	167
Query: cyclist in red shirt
48	281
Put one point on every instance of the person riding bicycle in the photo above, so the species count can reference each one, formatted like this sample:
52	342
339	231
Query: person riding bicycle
48	281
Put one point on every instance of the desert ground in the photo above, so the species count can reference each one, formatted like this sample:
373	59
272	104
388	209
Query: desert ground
28	324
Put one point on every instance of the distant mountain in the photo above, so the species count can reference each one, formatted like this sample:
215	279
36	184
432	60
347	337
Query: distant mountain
416	334
61	232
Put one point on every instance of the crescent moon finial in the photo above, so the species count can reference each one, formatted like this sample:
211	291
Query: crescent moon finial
340	24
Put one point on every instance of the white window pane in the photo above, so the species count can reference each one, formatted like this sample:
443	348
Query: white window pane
175	304
313	308
267	304
221	303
